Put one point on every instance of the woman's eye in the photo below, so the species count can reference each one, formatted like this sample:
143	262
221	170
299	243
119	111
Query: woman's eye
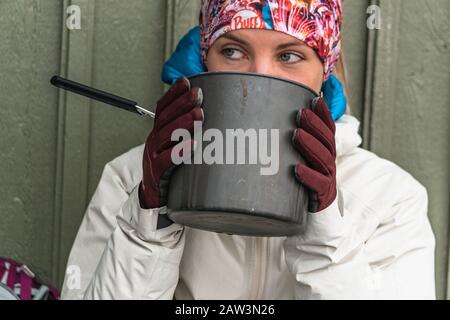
290	57
232	53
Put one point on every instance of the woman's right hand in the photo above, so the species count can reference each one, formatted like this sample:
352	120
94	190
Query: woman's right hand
179	108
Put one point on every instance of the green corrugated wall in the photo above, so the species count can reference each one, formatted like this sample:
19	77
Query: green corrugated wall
54	145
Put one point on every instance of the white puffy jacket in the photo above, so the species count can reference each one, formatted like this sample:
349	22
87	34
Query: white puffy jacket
374	242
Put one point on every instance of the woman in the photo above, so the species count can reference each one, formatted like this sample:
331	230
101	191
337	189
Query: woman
367	233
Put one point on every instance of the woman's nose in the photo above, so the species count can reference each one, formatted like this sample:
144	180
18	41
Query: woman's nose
263	66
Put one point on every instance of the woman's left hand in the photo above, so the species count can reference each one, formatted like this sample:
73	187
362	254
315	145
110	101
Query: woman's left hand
315	140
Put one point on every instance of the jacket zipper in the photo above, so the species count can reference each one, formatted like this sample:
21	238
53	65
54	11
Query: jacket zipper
260	263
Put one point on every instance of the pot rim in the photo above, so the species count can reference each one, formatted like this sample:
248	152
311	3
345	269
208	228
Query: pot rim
255	75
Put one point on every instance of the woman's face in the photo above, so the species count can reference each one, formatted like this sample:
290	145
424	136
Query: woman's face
266	52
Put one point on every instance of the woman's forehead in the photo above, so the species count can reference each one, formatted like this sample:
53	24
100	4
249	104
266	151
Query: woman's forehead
272	37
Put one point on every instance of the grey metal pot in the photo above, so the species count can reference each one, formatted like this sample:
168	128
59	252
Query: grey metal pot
236	198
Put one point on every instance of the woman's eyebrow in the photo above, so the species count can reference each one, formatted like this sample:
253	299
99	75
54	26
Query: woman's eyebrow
290	44
234	38
245	43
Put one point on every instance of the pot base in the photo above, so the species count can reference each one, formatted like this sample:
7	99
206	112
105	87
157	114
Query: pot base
235	223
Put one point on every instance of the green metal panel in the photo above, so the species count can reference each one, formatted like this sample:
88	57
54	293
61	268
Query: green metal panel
73	133
126	62
409	120
29	50
354	44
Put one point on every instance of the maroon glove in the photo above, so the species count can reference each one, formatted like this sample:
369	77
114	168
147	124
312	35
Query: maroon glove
315	140
179	108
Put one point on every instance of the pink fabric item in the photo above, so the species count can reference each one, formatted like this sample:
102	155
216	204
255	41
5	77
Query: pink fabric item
18	277
317	23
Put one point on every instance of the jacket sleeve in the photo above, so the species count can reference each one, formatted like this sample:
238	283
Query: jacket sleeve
353	251
118	253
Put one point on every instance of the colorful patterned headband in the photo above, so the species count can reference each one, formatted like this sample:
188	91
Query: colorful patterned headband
317	23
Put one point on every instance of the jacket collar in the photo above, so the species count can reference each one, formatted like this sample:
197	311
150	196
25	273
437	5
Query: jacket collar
347	135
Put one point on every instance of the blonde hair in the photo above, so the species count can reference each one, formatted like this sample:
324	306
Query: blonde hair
340	71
